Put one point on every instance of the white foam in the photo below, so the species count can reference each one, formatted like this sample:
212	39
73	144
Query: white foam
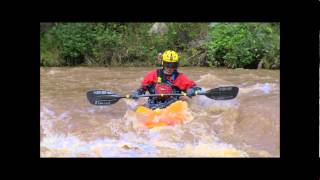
47	111
207	102
63	115
148	142
266	88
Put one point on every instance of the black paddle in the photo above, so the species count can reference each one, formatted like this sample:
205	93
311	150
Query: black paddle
105	97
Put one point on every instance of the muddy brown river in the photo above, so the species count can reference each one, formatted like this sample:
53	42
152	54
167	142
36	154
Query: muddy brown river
247	126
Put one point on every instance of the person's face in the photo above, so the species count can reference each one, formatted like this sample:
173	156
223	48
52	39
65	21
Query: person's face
168	70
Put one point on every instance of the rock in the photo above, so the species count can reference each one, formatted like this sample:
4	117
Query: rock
126	147
275	64
260	64
45	26
197	43
159	28
212	24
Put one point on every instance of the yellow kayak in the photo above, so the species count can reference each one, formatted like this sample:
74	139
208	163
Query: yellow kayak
175	113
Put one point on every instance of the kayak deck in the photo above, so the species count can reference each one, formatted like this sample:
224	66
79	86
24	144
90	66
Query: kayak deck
171	115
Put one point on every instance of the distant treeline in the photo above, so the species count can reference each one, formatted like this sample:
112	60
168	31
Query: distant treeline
231	45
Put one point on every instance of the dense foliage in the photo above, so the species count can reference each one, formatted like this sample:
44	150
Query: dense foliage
230	45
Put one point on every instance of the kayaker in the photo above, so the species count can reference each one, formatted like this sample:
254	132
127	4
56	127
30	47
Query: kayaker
166	80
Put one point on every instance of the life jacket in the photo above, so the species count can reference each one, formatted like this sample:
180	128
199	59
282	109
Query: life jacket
163	88
164	85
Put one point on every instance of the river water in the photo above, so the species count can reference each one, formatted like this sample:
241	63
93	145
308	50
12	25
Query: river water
247	126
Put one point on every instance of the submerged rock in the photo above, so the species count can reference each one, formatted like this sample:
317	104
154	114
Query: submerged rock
158	28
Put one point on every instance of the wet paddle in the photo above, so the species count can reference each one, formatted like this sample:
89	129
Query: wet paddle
106	97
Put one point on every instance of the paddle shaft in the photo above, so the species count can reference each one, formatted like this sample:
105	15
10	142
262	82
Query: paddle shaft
159	95
105	97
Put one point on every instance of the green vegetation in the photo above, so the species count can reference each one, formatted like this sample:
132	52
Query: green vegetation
232	45
244	45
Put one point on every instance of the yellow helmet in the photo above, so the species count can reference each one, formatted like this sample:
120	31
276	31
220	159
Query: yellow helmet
170	59
170	56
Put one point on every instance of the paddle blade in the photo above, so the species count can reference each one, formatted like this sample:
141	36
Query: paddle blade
102	97
223	93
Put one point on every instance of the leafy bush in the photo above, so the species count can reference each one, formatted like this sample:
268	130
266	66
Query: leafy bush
103	44
243	45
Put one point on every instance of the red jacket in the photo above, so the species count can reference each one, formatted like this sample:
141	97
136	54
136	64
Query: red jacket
182	82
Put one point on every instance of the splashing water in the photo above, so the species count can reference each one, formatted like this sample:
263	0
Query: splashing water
71	127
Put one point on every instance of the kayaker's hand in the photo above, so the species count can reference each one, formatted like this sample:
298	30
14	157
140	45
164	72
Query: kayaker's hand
135	95
191	92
